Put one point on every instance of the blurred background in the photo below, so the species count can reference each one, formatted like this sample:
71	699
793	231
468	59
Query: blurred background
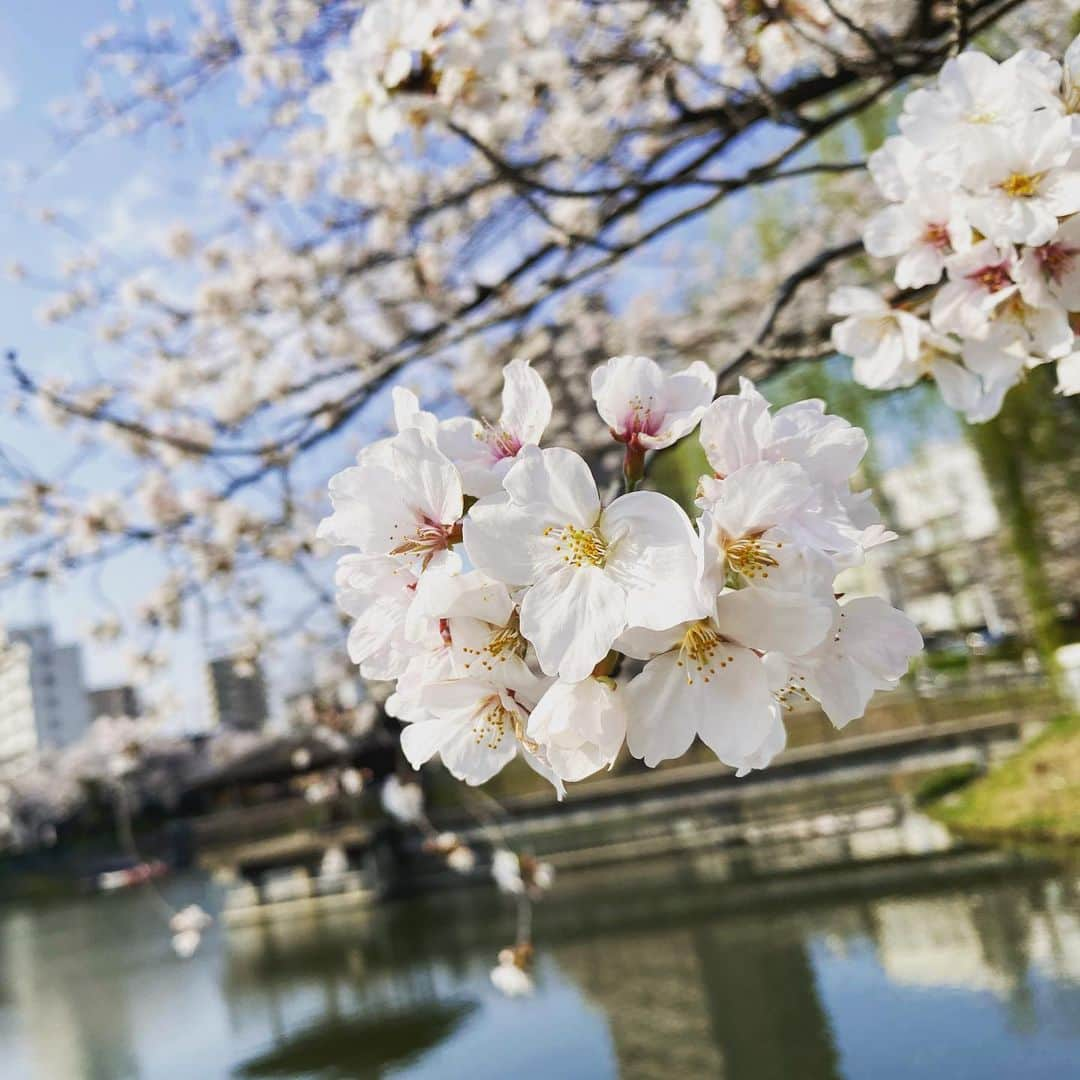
207	308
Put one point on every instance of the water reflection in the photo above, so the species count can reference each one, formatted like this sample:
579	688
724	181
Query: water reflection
341	1047
946	966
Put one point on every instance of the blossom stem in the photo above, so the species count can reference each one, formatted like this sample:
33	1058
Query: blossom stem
633	466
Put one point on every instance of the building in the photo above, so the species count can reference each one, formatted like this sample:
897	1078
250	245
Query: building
114	701
943	509
237	694
58	693
18	733
951	568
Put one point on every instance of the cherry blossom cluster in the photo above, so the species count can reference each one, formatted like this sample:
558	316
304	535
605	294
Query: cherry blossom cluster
503	594
983	182
414	185
408	65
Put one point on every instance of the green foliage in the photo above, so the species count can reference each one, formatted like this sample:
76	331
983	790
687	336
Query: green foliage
676	471
944	782
874	123
947	661
1034	428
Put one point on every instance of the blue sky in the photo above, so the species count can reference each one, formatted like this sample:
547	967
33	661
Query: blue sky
123	194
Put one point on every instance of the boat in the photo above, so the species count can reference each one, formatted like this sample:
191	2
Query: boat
130	876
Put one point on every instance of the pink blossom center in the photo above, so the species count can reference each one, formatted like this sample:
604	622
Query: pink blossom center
936	235
641	420
427	538
502	443
1056	260
993	278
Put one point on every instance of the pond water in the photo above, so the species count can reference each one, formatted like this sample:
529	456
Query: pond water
944	967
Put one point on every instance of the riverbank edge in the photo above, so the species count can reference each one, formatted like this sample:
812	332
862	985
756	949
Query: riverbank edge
1033	798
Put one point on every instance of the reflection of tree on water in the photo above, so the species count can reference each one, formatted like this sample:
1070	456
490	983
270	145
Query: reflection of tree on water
651	987
697	974
733	998
766	1012
76	1018
392	959
349	1048
687	990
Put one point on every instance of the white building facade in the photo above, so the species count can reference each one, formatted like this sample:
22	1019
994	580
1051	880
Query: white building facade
18	732
58	694
941	505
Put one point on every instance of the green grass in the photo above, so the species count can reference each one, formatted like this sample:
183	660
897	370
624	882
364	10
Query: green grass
1034	796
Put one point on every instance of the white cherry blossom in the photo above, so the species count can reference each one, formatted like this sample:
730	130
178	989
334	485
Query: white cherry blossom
509	976
380	593
987	153
405	500
1051	271
696	683
868	648
581	726
403	801
588	572
1024	182
643	405
974	99
477	726
980	279
882	340
485	452
521	875
920	232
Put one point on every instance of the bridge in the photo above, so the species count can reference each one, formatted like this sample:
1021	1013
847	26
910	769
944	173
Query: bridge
819	805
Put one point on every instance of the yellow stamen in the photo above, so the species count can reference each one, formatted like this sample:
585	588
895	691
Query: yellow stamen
794	689
1021	185
697	651
579	547
491	723
749	556
503	643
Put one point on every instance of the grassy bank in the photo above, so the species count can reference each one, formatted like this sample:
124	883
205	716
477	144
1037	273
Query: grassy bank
1034	796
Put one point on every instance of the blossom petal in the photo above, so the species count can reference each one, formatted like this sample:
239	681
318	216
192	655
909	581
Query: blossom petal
760	497
369	509
792	623
432	482
505	541
735	708
526	403
624	388
556	481
734	430
653	555
572	617
421	740
474	760
662	715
